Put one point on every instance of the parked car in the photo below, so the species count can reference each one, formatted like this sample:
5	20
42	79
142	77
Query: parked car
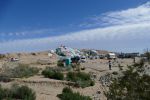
14	59
83	59
101	56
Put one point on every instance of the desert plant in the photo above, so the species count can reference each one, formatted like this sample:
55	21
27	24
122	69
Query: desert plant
67	90
34	54
22	70
60	63
1	93
17	93
92	83
76	66
68	94
2	56
81	79
51	73
115	73
134	84
22	92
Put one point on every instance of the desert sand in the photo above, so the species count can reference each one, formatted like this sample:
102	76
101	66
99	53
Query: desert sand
47	89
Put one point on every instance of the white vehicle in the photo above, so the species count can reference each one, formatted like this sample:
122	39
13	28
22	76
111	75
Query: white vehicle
50	54
83	59
14	59
111	56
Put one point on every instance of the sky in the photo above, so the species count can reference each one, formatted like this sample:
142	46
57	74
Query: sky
36	25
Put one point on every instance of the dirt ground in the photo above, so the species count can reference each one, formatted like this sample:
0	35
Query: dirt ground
47	89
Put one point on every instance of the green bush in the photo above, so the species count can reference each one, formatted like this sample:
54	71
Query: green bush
34	54
67	90
2	56
92	83
67	94
22	70
115	73
23	92
17	92
60	64
1	93
73	76
81	79
51	73
134	84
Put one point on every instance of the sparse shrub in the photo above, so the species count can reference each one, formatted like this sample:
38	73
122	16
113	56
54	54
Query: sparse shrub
67	90
81	79
1	93
60	64
92	83
51	73
34	54
22	92
76	66
17	93
115	73
47	73
22	70
83	68
71	76
134	84
58	75
2	56
74	76
68	94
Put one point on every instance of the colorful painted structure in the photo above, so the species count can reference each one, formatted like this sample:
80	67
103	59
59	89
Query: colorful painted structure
68	55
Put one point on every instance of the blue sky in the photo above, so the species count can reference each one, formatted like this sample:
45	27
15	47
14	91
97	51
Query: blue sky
32	25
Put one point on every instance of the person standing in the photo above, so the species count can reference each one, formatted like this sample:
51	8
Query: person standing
109	62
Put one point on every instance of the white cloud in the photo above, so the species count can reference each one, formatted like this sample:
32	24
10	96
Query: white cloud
24	33
140	14
127	30
132	37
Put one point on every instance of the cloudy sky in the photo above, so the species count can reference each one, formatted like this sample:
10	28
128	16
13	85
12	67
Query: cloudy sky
33	25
